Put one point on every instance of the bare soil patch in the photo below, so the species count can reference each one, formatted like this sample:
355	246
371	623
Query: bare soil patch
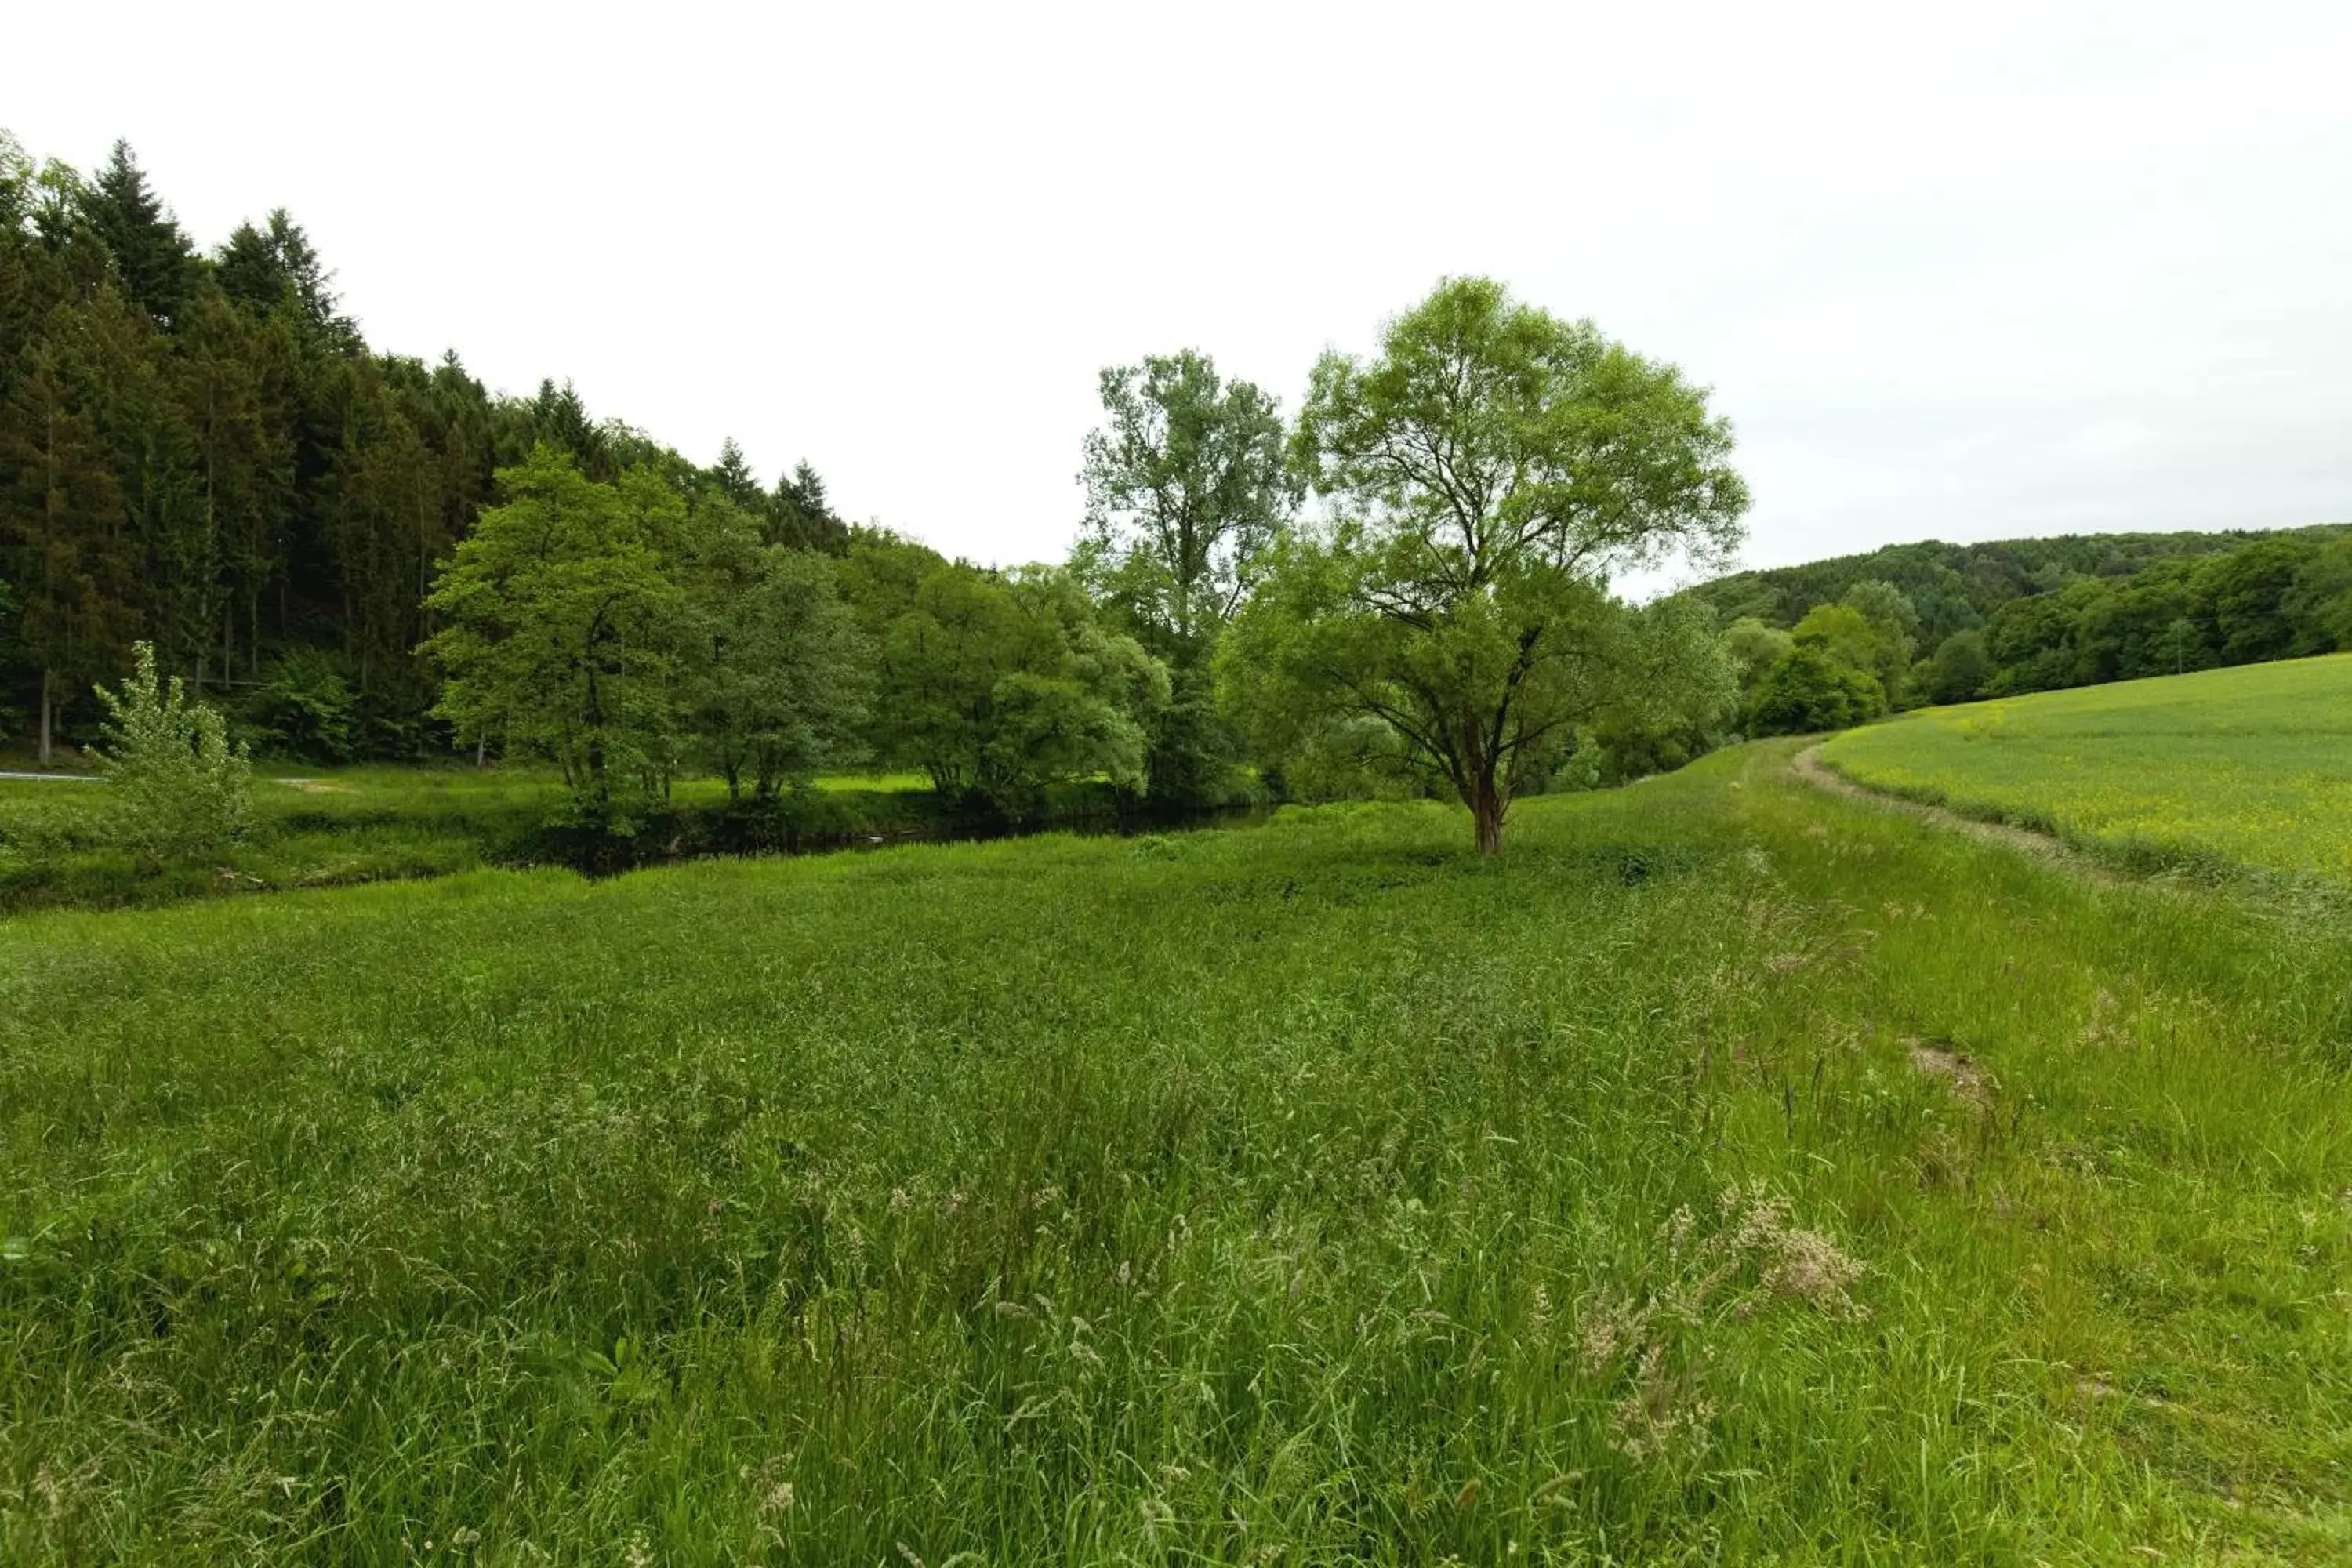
1969	1081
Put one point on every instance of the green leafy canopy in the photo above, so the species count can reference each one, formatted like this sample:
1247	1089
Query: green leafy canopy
1482	476
180	791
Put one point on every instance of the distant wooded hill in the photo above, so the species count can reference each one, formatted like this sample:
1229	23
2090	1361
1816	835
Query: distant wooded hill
1947	623
1957	586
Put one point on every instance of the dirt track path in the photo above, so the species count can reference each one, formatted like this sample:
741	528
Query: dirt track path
1808	766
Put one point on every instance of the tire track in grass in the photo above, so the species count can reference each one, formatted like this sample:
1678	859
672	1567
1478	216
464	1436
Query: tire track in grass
1807	765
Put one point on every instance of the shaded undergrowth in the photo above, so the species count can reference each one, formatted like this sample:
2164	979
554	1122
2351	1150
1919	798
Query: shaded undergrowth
387	824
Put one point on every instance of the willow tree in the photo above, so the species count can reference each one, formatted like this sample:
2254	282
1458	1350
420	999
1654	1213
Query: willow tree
1483	476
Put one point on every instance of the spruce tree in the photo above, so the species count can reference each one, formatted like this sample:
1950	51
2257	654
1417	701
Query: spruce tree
275	268
808	492
234	379
804	518
736	481
385	521
62	524
152	257
560	418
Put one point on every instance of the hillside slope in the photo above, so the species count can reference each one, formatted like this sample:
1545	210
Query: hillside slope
2251	766
1956	586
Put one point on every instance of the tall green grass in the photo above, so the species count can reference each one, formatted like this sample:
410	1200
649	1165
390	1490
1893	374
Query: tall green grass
1314	1193
334	827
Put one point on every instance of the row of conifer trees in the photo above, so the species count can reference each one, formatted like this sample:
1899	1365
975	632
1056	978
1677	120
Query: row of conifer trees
198	449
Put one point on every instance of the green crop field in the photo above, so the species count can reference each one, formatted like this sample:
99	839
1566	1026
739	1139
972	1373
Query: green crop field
2251	766
1727	1173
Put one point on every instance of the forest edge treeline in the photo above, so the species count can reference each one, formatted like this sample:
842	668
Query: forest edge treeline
1951	622
360	555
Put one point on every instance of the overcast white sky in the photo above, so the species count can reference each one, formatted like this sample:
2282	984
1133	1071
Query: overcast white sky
1965	271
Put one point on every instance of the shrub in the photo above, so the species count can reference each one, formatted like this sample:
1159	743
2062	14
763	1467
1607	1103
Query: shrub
306	711
180	791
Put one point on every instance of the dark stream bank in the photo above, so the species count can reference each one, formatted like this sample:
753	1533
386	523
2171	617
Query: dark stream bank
49	862
676	837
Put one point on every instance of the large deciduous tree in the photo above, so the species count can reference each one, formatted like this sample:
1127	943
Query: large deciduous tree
776	674
1813	690
1000	686
562	630
1186	488
1484	473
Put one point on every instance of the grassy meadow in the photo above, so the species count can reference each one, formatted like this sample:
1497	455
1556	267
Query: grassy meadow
1727	1173
315	827
2250	766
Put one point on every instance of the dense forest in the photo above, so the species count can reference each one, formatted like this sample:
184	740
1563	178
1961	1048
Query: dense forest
353	554
199	450
1957	586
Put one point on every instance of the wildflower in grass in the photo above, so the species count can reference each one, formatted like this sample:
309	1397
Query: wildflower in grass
1807	1266
2105	1028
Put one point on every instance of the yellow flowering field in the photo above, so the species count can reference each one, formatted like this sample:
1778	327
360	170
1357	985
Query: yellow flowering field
2252	764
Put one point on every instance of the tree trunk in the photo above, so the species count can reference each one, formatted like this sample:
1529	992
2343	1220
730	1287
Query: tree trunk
482	753
598	795
1479	788
1487	813
49	707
